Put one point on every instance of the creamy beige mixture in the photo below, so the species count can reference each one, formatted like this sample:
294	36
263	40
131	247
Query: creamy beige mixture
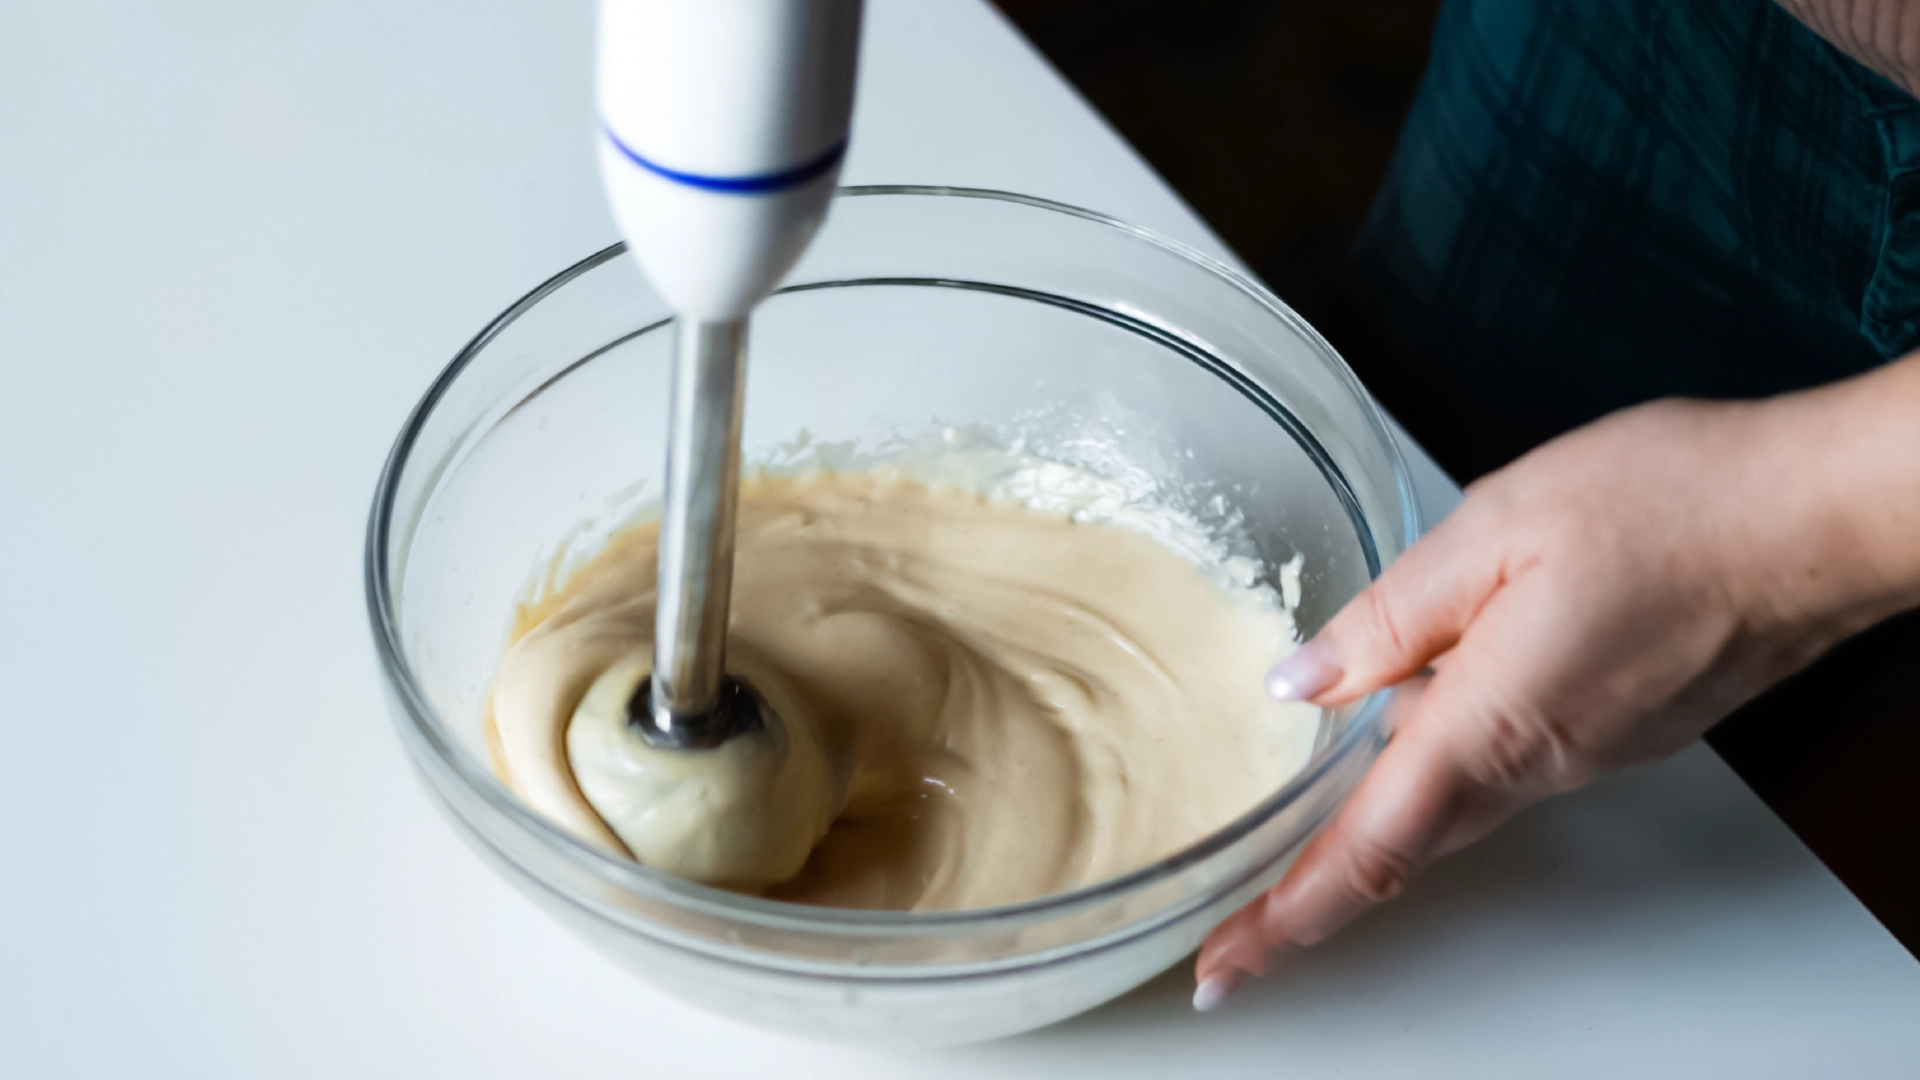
983	703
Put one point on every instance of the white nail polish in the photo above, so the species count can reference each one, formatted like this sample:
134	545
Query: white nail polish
1303	675
1210	993
1280	688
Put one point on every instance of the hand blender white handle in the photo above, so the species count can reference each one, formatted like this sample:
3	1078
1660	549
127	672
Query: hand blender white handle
723	123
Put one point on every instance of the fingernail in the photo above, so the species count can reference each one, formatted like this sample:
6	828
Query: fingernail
1309	672
1214	989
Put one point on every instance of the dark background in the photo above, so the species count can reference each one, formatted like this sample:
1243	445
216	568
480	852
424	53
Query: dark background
1275	119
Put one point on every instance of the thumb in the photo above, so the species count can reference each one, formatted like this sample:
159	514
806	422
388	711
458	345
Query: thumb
1395	627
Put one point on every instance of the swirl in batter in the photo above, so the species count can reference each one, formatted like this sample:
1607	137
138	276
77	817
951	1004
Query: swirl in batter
983	702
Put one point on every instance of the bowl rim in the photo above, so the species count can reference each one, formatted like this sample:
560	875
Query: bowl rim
426	728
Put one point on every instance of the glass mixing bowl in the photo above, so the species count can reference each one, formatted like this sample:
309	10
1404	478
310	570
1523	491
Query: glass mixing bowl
917	310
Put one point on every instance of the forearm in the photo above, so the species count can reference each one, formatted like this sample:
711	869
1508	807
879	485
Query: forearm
1846	458
1882	34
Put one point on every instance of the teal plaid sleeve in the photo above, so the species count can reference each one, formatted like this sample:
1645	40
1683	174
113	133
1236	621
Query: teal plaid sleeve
1599	202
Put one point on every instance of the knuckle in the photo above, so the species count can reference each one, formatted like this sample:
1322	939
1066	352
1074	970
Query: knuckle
1523	752
1376	871
1383	627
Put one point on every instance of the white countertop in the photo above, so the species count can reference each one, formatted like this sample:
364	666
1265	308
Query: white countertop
237	239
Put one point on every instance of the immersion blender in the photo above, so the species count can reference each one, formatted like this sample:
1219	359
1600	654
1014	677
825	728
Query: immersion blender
722	128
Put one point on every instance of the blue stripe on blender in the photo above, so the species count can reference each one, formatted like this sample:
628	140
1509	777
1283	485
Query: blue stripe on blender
735	185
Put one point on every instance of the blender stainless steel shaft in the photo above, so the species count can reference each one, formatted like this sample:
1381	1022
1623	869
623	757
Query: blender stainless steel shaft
696	530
